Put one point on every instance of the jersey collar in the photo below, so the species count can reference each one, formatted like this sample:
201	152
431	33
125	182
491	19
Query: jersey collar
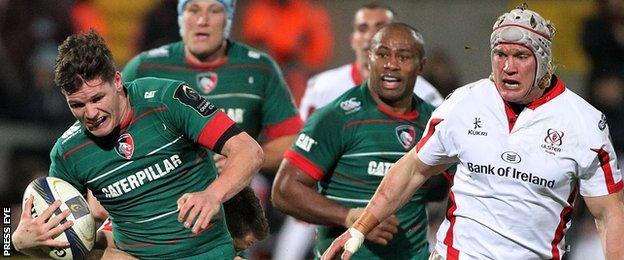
549	95
213	65
411	116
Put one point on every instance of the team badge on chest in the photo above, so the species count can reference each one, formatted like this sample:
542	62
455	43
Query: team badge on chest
553	141
207	81
406	135
125	146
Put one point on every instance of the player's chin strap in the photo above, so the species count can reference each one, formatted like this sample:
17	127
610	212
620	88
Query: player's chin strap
355	242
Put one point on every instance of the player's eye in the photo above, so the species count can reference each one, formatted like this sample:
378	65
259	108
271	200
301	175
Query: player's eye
76	105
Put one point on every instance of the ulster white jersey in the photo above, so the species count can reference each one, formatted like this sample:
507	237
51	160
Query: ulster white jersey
516	180
328	85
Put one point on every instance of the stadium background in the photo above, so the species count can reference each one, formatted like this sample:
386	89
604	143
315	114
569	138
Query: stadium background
459	29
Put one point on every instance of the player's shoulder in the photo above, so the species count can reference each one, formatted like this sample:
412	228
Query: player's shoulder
467	91
465	98
580	111
72	137
582	107
350	104
151	90
239	52
162	52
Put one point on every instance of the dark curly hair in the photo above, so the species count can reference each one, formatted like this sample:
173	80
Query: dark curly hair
243	214
83	57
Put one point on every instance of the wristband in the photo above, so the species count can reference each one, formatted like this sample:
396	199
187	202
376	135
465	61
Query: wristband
356	240
366	222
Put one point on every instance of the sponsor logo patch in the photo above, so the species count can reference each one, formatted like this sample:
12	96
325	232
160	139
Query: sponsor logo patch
511	157
207	81
304	142
603	122
406	135
553	141
125	146
187	96
478	124
351	105
78	207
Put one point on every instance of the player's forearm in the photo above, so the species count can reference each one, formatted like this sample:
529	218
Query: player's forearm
245	158
274	151
304	203
396	188
611	227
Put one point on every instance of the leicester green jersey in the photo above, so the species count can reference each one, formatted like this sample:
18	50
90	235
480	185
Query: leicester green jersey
247	84
348	146
139	172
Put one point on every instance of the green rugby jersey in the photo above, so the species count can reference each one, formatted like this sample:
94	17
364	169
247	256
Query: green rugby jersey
348	146
139	174
247	84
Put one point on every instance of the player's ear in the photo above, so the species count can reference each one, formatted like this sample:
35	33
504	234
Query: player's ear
422	62
118	81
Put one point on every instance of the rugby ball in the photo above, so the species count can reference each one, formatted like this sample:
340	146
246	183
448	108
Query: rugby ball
81	235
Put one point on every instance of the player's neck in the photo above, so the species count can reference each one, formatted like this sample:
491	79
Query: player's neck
125	110
400	106
213	59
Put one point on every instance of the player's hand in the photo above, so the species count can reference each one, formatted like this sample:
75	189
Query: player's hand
352	216
40	231
198	207
347	243
384	232
220	162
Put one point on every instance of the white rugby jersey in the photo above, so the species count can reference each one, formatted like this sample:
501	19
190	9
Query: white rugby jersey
330	84
516	180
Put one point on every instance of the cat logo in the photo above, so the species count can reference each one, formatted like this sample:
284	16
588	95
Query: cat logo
304	142
207	81
406	135
149	94
125	146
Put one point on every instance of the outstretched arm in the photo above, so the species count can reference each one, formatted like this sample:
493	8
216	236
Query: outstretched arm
608	211
401	181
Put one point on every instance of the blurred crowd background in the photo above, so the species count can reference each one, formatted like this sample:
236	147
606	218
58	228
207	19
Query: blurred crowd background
305	37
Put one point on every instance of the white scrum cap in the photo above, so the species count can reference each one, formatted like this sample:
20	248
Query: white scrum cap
528	28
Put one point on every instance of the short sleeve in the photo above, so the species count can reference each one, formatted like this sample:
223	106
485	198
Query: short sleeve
437	144
194	116
601	176
318	146
278	106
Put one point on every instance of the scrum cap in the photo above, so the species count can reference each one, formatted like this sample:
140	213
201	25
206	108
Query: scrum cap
528	28
229	10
